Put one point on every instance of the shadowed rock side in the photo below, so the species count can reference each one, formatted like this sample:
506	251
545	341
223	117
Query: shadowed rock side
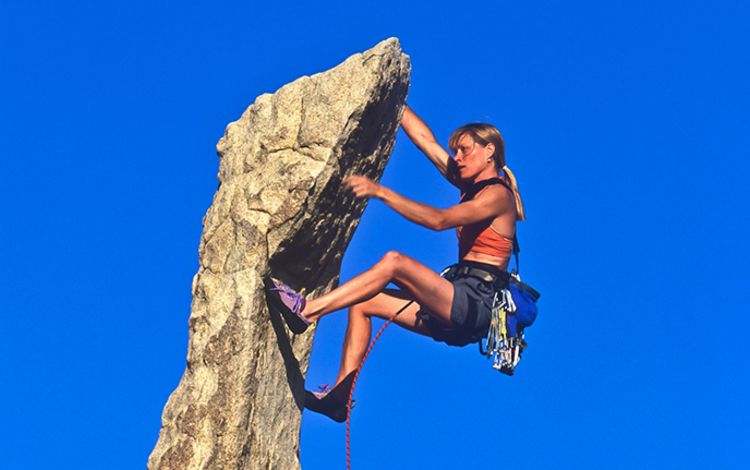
280	206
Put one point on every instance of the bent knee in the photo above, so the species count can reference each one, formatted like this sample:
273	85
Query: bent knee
392	262
393	257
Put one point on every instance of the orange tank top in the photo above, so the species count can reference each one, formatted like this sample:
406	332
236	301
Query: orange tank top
480	237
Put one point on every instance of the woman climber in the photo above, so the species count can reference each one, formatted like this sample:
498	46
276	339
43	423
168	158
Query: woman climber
455	308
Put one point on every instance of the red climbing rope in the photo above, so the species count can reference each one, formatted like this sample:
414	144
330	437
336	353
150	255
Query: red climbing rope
354	384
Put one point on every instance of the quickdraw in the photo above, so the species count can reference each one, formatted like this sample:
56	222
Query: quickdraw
514	308
503	349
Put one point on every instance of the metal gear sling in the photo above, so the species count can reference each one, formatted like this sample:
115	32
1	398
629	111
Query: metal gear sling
513	308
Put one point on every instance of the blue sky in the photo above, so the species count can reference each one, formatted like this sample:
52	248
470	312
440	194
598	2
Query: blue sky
625	122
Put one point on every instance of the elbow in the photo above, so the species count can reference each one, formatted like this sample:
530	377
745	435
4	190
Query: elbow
440	223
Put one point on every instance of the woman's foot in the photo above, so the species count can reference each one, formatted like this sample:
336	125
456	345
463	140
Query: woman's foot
290	304
332	402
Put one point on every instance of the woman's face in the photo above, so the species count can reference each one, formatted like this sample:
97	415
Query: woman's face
472	158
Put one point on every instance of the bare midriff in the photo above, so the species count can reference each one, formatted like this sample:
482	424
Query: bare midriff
501	263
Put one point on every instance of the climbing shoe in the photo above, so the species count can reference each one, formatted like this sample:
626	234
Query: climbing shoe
331	401
289	303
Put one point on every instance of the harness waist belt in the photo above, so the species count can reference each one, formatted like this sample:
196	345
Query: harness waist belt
480	273
491	277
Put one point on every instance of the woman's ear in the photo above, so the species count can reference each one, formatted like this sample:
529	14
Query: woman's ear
491	148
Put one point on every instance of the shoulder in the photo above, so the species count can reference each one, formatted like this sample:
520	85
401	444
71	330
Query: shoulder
496	198
495	192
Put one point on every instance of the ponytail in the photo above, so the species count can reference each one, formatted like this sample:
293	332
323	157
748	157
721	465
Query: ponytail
511	178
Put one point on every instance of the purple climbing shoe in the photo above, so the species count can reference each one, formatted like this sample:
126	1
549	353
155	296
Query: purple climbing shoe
331	401
283	299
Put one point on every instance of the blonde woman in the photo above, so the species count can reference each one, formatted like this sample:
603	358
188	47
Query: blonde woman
454	309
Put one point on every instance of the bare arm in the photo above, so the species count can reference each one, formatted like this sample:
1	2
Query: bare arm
421	135
489	203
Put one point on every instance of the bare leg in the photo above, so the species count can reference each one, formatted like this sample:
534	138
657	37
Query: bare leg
427	288
359	327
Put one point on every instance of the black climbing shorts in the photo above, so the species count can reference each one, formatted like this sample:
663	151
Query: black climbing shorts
471	310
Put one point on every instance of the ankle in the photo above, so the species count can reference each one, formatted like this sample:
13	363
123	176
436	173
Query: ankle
310	312
343	375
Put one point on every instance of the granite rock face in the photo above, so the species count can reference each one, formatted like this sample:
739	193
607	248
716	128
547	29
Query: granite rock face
280	207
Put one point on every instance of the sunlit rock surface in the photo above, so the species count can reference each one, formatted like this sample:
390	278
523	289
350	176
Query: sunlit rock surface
280	206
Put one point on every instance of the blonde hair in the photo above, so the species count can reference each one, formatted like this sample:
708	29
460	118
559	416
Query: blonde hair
484	134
